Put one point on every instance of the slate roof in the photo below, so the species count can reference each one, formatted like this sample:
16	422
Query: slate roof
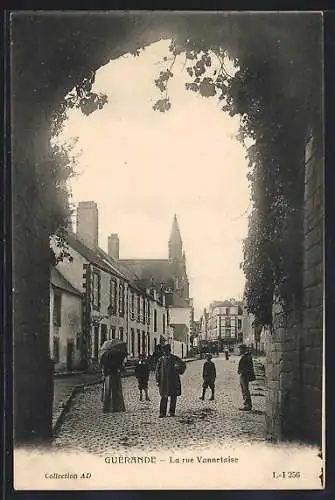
58	281
103	261
95	257
155	270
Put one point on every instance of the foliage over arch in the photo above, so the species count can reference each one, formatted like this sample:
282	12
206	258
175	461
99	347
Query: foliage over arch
276	93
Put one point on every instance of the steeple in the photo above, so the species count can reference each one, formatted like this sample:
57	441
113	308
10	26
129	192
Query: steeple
175	241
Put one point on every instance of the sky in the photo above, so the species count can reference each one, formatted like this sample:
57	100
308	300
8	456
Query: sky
142	166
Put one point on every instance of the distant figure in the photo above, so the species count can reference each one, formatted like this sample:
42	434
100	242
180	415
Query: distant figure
168	371
209	376
142	372
247	374
226	352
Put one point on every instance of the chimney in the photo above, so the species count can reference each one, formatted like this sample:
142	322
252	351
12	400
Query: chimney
113	246
87	223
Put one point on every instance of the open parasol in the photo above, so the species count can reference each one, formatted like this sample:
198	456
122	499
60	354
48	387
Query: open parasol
113	345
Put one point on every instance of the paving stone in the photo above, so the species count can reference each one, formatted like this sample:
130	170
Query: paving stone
197	424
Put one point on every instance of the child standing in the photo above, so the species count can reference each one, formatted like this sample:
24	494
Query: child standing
142	372
209	376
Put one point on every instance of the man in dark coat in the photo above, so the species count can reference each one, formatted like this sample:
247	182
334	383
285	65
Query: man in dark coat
247	374
209	376
142	372
168	371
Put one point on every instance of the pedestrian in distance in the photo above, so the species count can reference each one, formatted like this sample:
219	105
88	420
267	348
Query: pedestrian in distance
209	376
168	371
142	373
226	352
247	375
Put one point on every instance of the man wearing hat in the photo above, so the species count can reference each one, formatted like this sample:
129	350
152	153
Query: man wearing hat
247	374
209	376
168	371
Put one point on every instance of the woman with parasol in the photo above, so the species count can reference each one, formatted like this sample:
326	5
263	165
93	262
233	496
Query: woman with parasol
112	356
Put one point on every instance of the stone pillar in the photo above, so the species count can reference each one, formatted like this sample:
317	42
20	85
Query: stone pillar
33	369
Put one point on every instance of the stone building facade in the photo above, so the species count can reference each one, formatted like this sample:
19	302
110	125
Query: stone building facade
113	306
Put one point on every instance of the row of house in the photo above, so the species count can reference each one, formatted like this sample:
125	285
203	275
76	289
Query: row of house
94	297
230	322
222	321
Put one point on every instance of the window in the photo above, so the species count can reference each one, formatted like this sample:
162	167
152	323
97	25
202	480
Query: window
227	332
163	324
113	332
227	321
149	313
138	342
148	343
57	315
121	299
144	310
138	308
96	342
132	342
227	310
167	317
56	349
96	290
132	305
143	342
103	333
239	324
113	289
155	320
121	333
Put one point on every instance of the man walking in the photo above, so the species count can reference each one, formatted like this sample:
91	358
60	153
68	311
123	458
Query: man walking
168	371
247	374
142	373
209	376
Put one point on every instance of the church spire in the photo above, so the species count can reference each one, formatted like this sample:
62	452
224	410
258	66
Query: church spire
175	241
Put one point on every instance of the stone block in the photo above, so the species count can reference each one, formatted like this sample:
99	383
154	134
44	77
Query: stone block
313	318
312	376
285	381
314	255
286	366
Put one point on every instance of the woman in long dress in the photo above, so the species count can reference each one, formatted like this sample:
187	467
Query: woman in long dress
112	356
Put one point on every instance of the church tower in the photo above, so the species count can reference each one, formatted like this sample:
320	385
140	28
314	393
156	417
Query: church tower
175	242
177	260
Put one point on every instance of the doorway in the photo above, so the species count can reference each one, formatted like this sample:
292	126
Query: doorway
69	355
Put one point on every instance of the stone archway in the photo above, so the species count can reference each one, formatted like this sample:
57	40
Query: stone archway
51	53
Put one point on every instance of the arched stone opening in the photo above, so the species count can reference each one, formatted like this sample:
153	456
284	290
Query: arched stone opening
51	53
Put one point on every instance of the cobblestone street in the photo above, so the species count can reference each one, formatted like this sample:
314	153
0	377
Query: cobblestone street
198	424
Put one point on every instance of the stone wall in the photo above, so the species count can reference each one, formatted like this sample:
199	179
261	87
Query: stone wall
294	348
313	295
283	375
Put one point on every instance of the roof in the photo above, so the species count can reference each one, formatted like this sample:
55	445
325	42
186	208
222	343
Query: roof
105	262
151	270
95	257
175	231
58	281
225	303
